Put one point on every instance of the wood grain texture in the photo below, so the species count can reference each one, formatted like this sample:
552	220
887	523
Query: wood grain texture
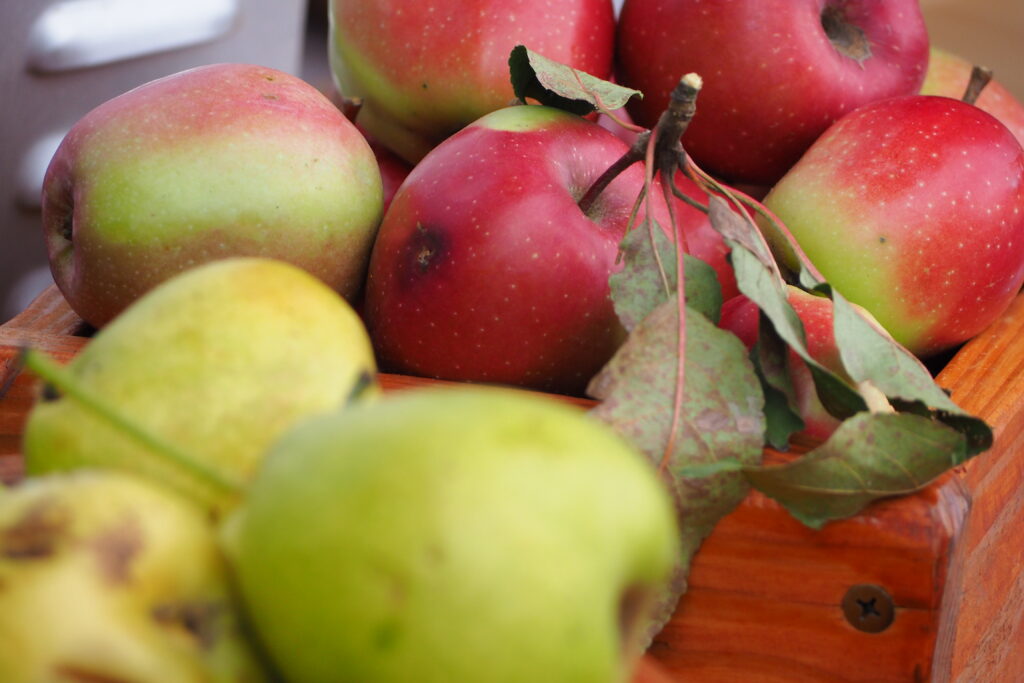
765	592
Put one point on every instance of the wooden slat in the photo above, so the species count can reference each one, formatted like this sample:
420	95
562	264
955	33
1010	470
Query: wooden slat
765	591
981	629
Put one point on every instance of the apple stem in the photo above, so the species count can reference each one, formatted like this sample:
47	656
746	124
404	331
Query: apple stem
980	77
670	127
635	154
59	378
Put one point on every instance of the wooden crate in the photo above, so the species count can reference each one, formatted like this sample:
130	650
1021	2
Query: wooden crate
766	593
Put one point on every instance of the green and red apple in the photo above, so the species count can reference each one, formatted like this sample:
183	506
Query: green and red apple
453	534
424	70
221	160
948	75
913	207
776	73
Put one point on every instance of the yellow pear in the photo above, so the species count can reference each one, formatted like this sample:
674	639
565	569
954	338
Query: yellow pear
218	362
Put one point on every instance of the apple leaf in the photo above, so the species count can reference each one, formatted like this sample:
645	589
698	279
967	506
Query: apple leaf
722	420
870	456
649	277
771	361
558	85
758	278
870	354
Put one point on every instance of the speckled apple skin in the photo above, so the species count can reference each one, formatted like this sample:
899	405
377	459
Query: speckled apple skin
223	160
772	80
425	69
949	74
913	208
741	316
485	269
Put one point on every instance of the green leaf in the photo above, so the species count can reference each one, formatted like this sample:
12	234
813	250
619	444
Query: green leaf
649	276
870	354
757	278
558	85
722	420
870	456
771	361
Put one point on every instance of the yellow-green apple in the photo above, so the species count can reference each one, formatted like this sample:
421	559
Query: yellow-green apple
776	74
222	160
219	361
109	578
949	75
424	70
741	316
453	534
913	207
485	268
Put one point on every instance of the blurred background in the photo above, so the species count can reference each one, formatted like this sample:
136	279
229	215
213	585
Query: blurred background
61	58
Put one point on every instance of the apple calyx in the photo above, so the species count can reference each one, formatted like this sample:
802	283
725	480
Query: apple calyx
980	77
58	381
846	37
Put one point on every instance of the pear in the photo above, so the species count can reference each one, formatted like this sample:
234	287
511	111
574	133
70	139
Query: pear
106	577
454	534
217	361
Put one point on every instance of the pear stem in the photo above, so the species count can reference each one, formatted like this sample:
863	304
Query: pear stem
56	376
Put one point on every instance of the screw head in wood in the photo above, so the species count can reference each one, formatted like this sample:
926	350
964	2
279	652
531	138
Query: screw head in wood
869	608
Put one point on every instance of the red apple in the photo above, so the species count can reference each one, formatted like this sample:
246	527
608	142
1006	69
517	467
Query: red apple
949	74
776	74
486	269
913	207
424	70
393	168
741	316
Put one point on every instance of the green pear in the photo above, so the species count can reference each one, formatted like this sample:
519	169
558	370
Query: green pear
218	361
453	534
106	577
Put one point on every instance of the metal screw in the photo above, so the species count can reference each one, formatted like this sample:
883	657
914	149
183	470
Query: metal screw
869	608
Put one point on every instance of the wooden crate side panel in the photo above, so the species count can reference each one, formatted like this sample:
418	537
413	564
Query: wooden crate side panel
981	631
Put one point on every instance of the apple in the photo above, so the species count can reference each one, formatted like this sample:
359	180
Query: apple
913	207
393	171
949	74
219	360
453	534
222	160
741	316
424	71
485	268
776	74
109	578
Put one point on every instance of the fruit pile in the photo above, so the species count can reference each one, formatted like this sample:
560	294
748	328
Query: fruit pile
219	489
